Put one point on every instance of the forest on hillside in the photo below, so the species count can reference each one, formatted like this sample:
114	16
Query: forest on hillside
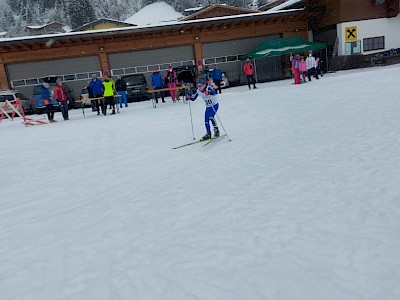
15	15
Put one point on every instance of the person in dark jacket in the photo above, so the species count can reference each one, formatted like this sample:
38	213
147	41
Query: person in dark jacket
97	89
217	77
157	83
49	101
120	86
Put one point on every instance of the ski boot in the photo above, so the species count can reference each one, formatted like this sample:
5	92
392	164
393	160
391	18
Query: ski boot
216	131
207	136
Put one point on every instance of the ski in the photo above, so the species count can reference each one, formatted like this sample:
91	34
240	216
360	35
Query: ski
188	144
199	141
213	139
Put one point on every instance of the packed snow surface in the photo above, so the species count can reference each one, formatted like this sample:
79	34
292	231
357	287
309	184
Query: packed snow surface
303	203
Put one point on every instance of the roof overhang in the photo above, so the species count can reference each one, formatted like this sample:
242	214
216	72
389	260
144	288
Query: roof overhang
177	26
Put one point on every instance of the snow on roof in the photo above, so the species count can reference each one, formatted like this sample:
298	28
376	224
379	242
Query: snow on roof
144	27
153	14
194	8
284	5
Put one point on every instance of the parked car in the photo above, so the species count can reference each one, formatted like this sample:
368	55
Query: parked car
85	96
224	81
136	87
10	95
186	76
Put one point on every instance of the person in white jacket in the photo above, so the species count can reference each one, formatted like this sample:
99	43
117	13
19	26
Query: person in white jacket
310	61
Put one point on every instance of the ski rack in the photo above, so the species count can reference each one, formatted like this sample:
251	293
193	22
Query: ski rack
18	109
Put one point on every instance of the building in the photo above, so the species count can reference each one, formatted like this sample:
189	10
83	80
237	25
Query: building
355	30
103	24
216	10
50	28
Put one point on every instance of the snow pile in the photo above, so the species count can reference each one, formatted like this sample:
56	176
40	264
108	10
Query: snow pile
303	203
153	14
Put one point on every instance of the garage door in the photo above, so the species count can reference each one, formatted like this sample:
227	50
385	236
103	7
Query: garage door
76	72
144	61
226	55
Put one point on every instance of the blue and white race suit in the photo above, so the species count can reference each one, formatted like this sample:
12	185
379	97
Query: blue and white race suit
209	96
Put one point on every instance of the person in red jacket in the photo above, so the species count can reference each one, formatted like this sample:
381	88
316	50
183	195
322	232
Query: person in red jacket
249	71
62	97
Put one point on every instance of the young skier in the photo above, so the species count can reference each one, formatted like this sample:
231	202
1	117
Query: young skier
209	96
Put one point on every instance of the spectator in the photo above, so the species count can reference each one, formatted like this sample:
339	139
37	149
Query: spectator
310	61
217	77
109	91
249	71
172	80
62	97
97	89
107	74
303	69
318	67
49	102
157	83
296	69
120	87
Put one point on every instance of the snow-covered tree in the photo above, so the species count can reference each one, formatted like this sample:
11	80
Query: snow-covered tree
80	12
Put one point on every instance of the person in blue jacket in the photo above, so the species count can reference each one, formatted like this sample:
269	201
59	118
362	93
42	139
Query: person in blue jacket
45	102
157	83
217	77
97	89
209	96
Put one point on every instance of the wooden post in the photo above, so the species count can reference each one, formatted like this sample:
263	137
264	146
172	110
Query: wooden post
103	57
4	85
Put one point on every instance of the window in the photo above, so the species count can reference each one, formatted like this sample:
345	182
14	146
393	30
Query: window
118	72
82	76
141	69
374	43
18	82
69	77
353	48
31	81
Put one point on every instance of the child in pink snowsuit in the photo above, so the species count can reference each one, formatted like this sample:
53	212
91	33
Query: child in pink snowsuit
172	81
303	68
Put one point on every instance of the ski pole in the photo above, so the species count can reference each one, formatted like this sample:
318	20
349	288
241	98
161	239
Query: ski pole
191	119
229	139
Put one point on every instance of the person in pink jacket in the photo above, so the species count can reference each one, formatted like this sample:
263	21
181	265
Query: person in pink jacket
296	69
172	80
303	69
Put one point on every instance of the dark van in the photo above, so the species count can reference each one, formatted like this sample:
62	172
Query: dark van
136	87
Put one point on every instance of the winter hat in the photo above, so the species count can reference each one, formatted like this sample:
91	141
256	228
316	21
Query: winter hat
106	73
45	85
58	80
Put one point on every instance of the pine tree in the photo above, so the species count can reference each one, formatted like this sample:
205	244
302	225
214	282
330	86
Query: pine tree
80	12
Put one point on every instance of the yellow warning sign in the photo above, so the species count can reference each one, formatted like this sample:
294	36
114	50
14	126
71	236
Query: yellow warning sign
350	33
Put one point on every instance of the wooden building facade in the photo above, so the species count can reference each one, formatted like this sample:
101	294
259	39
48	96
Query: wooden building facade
75	56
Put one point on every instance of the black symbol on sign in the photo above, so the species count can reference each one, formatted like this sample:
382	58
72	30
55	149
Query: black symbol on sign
351	33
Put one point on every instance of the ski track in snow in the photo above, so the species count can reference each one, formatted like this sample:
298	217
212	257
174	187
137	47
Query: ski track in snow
303	203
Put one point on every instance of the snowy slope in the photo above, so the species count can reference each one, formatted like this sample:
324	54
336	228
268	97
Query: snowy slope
154	13
303	203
